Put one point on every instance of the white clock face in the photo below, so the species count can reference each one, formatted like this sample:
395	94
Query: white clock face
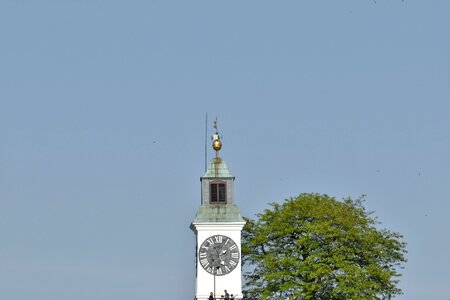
218	255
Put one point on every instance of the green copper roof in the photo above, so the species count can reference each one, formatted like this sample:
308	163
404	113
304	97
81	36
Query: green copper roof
217	169
218	213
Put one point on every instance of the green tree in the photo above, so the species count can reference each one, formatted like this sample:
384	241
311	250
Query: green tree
315	247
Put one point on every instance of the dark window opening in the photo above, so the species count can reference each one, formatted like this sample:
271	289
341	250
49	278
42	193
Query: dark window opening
218	193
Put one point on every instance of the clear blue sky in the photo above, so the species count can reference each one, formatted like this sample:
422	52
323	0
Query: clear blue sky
102	107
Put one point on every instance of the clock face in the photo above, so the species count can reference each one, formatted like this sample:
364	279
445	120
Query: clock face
218	255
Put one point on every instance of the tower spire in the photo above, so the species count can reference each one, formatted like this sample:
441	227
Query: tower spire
217	143
217	226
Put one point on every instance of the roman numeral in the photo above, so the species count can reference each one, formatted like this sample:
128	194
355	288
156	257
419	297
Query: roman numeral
210	241
232	263
218	238
202	255
219	271
204	262
227	269
235	255
233	247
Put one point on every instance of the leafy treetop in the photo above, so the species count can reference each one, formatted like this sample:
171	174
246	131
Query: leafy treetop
315	247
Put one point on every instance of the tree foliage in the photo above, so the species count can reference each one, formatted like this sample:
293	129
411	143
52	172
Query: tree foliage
315	247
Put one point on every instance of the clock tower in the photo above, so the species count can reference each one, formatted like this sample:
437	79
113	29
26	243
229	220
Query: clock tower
217	227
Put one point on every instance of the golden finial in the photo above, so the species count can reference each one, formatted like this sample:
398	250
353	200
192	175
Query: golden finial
216	144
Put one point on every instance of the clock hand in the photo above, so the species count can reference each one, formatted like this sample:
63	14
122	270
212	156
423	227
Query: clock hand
220	262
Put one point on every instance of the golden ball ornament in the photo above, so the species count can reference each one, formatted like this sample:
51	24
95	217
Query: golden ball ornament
217	145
